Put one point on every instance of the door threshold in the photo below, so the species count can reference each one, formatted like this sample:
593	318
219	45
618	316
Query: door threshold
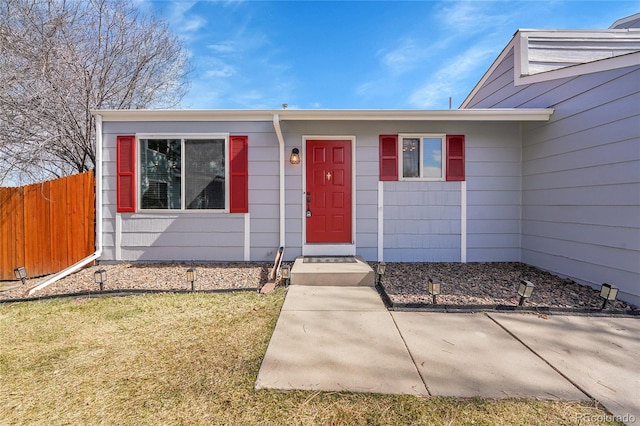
328	249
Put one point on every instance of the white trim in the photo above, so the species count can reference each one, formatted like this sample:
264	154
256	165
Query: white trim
488	114
329	250
183	158
622	61
319	249
118	237
282	159
463	222
380	221
422	136
247	237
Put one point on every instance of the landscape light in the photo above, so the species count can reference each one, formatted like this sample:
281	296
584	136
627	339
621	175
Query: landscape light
285	270
608	292
192	277
100	276
434	288
525	288
21	274
380	270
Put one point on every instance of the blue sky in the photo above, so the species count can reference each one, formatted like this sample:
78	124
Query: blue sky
356	54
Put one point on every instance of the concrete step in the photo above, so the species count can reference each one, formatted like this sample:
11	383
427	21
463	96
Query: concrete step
332	271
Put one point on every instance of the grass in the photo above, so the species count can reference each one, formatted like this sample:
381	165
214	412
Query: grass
193	359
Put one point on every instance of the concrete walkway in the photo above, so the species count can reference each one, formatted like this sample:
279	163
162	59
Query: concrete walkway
344	339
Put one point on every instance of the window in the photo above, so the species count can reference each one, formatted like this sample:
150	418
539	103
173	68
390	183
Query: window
183	174
421	157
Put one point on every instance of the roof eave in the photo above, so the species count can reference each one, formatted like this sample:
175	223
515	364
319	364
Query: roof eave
491	114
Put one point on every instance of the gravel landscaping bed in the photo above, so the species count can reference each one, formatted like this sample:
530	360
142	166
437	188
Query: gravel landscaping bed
485	284
463	284
151	276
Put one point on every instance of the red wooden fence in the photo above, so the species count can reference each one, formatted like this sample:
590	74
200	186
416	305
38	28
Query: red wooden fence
47	226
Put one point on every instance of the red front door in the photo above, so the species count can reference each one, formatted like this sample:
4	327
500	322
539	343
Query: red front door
328	197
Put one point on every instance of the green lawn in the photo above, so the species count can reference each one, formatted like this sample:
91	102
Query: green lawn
193	359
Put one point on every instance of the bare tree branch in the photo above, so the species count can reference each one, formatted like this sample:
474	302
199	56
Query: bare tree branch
58	60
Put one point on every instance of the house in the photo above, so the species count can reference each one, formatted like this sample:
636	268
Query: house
538	166
580	211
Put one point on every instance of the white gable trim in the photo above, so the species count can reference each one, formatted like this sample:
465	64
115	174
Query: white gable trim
623	61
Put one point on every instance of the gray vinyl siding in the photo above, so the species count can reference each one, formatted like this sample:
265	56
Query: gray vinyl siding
422	220
580	174
581	183
493	177
192	236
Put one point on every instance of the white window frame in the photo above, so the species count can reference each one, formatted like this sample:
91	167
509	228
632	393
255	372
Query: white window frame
421	136
182	137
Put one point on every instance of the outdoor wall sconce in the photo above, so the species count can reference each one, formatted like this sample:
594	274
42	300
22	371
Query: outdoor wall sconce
608	292
100	277
295	156
380	270
285	271
434	288
192	277
524	290
21	274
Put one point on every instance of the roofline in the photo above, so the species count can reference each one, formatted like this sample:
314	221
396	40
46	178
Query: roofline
622	21
492	68
489	114
588	67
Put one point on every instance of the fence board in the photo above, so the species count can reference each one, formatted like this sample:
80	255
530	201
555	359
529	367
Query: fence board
48	226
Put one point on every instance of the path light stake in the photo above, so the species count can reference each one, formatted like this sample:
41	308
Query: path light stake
381	269
608	292
192	277
21	274
524	290
100	276
434	289
286	274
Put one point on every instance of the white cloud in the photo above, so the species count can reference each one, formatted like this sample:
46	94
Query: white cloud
472	17
446	81
183	21
223	47
406	55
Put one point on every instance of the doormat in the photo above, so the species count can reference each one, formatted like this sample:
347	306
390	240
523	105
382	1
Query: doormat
330	259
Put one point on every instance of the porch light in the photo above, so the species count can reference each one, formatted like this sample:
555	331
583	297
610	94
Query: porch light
525	288
21	274
295	156
380	270
434	288
608	292
285	271
100	277
192	276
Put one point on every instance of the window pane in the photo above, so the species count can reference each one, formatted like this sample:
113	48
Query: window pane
432	159
160	173
410	157
204	174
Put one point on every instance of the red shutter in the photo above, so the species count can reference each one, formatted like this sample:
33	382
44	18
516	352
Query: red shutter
388	157
125	173
455	157
239	174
